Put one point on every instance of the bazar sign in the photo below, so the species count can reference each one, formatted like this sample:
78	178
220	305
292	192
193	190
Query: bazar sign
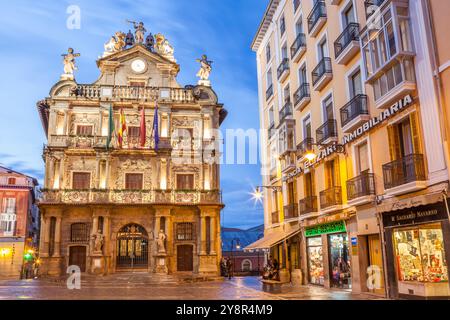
334	227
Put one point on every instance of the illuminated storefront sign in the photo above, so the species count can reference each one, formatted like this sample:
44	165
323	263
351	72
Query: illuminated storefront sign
334	227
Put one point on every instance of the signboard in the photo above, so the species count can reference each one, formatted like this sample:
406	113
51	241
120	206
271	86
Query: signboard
421	214
334	227
354	242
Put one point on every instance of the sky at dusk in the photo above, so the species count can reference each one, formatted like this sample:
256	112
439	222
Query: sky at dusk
34	35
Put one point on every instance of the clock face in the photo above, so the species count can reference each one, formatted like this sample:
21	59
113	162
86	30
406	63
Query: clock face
138	66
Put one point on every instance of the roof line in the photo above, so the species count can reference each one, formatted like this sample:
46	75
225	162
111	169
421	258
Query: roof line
263	26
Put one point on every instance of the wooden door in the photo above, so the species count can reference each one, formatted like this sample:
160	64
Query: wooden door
376	259
185	258
77	257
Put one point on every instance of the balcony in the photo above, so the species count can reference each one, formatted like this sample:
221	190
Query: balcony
283	70
322	74
361	189
354	113
327	133
288	163
331	198
298	48
317	18
269	92
285	112
304	147
271	130
291	211
302	96
308	205
275	217
130	197
120	93
347	45
273	175
405	175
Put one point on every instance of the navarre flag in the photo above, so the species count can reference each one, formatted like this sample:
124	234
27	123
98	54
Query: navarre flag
143	129
156	127
122	128
111	127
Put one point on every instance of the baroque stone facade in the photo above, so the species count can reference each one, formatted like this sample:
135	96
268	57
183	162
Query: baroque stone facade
119	199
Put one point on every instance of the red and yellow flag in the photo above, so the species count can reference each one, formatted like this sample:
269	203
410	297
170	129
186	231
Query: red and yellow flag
122	128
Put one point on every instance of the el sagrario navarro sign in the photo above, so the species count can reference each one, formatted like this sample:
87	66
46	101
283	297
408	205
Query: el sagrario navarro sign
421	214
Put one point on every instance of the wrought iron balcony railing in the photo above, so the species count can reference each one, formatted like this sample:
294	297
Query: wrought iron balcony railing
305	146
271	130
330	197
286	111
361	186
301	93
354	108
133	92
102	196
300	42
326	131
269	92
308	205
402	171
323	68
284	66
291	211
318	11
351	33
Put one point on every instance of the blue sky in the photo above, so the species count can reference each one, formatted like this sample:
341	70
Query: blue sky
34	35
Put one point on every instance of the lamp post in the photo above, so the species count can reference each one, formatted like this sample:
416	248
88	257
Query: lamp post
238	246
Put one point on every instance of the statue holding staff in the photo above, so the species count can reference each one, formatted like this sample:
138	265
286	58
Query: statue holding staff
139	31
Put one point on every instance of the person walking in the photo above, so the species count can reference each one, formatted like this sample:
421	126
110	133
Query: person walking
229	268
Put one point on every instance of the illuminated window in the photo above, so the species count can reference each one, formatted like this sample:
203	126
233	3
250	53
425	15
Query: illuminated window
185	231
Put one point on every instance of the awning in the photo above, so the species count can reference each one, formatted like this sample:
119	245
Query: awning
422	200
271	240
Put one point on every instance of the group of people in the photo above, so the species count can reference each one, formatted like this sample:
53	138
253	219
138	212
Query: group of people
271	270
226	267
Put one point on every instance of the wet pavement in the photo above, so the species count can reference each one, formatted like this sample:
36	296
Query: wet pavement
143	286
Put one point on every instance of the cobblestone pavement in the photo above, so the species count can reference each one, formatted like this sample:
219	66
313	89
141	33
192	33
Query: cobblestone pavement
153	287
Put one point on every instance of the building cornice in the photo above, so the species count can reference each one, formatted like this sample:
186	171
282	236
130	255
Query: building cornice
265	23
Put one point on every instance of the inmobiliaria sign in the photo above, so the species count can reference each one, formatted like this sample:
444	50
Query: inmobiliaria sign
357	133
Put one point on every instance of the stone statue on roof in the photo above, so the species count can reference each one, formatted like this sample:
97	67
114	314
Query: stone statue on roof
139	31
69	64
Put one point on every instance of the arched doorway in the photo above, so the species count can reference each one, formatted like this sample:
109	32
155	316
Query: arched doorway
132	247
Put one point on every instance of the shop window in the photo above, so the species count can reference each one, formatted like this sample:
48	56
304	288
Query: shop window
185	231
340	261
134	181
420	254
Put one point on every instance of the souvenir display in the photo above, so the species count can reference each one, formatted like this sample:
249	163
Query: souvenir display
420	254
340	261
315	261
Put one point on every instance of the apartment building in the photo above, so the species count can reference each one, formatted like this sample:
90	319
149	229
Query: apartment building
355	168
19	222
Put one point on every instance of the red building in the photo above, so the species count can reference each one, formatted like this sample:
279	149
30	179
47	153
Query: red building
234	241
19	222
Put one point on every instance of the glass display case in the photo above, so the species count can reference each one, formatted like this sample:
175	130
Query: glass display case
420	254
315	261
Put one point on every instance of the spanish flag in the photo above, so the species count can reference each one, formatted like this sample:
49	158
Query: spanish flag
122	128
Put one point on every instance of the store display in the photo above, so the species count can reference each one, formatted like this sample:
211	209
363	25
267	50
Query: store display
340	265
420	254
315	261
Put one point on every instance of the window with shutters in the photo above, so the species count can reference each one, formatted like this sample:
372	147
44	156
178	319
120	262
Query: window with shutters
84	130
404	137
185	181
11	181
134	181
185	231
133	136
81	180
332	173
9	205
362	158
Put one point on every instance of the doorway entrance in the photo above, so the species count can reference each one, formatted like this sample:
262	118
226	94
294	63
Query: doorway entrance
375	264
132	247
77	257
185	257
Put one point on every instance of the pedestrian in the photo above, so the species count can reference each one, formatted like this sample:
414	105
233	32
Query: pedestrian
223	267
229	268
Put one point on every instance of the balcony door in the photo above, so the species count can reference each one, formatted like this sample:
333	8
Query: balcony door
403	138
355	84
308	184
292	193
328	109
302	75
331	173
307	130
322	50
348	16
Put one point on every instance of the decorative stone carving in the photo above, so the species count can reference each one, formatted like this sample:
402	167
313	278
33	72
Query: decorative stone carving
160	242
98	239
164	48
186	169
69	64
205	71
124	165
115	44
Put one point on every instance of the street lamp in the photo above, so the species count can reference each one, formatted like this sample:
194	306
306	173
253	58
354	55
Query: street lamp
258	195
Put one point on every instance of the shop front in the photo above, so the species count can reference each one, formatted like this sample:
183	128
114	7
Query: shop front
328	256
417	249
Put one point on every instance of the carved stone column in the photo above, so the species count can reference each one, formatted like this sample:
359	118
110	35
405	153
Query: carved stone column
57	252
212	235
203	235
45	235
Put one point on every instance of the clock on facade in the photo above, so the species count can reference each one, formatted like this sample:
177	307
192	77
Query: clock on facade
138	66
